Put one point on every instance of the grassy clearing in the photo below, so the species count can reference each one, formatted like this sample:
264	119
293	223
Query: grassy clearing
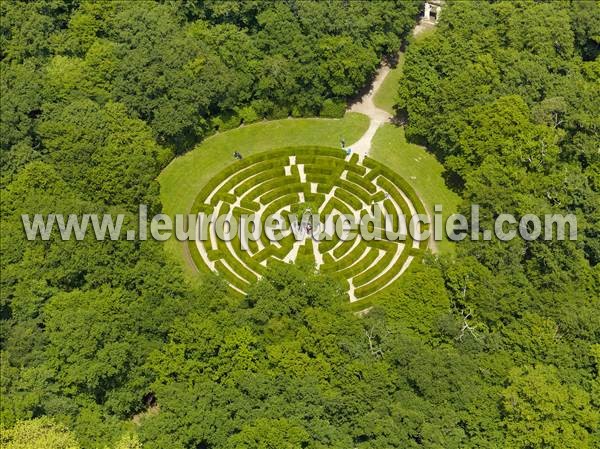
419	168
183	178
385	97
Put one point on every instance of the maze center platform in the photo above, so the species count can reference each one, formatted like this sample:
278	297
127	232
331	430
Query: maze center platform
320	180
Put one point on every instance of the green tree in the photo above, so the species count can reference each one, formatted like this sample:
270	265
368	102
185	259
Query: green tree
541	411
40	433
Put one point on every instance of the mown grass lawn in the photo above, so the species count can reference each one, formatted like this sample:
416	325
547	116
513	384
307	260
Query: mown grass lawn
183	178
420	168
385	98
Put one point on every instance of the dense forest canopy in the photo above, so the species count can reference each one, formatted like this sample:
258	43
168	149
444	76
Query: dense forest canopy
107	344
187	68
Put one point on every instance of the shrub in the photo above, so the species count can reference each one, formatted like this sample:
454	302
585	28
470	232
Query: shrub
248	114
333	108
226	121
279	112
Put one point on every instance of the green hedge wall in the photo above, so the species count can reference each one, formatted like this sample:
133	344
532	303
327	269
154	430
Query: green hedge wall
284	190
370	288
349	198
261	178
366	276
247	183
361	181
359	266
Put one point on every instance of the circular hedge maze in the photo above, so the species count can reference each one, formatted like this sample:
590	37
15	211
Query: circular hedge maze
320	180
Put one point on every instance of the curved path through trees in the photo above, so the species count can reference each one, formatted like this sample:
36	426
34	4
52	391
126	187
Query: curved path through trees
376	116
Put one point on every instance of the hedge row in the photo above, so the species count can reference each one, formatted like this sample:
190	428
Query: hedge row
196	257
316	198
366	276
355	190
399	181
356	169
326	186
328	208
272	251
378	196
351	199
252	246
213	254
373	173
249	260
230	277
237	167
225	209
360	266
387	245
321	157
323	169
362	182
247	183
222	196
244	256
248	203
342	249
279	204
273	165
286	246
325	181
239	268
391	189
273	184
383	280
319	160
351	257
239	211
327	245
394	193
340	206
273	195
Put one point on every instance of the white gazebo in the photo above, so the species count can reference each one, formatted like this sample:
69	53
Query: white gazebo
433	10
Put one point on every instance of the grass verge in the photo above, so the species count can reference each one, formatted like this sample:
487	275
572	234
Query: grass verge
386	96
